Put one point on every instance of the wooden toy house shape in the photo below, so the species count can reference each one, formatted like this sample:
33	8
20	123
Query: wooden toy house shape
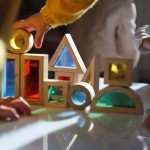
67	62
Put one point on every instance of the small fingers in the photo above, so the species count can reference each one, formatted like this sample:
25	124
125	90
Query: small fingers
19	24
39	38
8	113
24	24
22	106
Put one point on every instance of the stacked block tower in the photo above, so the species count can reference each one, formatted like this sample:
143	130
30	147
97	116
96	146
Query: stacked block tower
26	75
118	97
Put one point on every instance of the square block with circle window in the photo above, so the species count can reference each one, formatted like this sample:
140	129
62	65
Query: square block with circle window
118	71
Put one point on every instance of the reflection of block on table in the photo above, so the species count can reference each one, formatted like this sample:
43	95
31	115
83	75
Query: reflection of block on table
65	139
10	76
55	93
118	71
34	69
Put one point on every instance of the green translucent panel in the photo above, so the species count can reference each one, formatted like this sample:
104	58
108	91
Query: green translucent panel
55	94
117	72
95	115
38	111
115	98
64	59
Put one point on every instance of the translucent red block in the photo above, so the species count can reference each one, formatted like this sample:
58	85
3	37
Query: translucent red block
32	79
64	78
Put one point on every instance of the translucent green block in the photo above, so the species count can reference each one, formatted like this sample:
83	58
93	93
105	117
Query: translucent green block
115	98
55	94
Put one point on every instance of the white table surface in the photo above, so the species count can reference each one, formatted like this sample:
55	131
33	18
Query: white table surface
64	129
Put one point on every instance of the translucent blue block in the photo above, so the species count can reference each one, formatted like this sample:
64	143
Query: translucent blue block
78	98
8	79
64	59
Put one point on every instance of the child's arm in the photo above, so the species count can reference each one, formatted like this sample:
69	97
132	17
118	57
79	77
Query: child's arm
60	12
54	13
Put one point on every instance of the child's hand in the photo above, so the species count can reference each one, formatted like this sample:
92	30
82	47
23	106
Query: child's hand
22	107
142	35
13	108
8	113
145	46
34	23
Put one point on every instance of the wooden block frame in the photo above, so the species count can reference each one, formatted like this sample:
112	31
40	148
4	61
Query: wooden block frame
92	74
2	53
128	75
52	82
68	41
16	59
27	38
87	89
74	77
132	94
43	74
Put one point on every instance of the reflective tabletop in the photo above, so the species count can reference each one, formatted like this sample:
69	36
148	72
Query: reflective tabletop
64	129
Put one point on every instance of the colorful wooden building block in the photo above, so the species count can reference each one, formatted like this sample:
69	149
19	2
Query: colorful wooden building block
11	76
21	41
92	74
118	71
80	95
117	99
55	93
34	70
66	61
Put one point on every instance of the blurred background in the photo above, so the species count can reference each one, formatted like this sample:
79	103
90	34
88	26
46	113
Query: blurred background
53	37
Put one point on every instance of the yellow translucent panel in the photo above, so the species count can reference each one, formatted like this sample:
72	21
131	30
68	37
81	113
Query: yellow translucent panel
17	41
117	72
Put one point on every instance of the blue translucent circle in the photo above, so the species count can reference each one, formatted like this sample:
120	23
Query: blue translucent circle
78	98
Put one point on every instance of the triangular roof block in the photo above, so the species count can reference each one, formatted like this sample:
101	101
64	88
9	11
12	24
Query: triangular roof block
66	57
92	74
117	99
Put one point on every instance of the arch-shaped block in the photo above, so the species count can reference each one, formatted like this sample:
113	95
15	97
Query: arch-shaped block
125	100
